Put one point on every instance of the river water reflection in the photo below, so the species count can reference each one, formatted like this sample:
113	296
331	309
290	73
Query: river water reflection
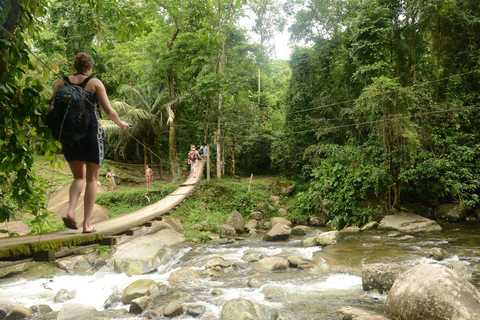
307	294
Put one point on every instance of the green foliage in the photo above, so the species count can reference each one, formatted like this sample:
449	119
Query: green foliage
341	187
126	201
211	203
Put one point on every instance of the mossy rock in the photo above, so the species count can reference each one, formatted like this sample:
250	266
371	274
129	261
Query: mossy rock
282	187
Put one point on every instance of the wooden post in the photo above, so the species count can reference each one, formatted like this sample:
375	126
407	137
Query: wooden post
250	184
208	163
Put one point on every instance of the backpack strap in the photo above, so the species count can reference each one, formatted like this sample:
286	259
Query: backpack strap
82	84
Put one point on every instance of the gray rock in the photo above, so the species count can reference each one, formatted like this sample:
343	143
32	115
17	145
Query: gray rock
380	277
146	253
282	211
351	229
271	264
437	253
282	187
227	230
319	219
255	283
462	269
275	220
309	242
450	212
285	315
235	220
273	293
73	264
299	263
217	262
64	295
256	215
138	305
279	232
252	224
40	309
183	274
139	288
241	309
432	292
71	311
196	310
173	309
18	312
350	313
5	307
327	238
408	222
301	230
370	225
175	223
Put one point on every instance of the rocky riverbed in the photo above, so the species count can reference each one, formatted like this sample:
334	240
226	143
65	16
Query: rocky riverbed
405	267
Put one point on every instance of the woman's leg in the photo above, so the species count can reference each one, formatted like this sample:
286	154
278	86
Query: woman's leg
78	171
93	170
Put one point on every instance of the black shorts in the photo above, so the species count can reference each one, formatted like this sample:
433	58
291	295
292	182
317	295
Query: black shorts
90	149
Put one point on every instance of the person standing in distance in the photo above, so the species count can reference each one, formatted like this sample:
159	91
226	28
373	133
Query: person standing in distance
193	157
148	176
85	157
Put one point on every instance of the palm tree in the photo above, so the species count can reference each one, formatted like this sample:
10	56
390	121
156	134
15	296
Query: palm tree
142	108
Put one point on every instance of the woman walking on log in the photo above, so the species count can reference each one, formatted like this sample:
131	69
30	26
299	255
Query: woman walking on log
85	157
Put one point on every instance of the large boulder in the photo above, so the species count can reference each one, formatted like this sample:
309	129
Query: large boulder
236	221
380	277
450	212
408	222
139	288
241	309
145	254
433	292
282	187
279	232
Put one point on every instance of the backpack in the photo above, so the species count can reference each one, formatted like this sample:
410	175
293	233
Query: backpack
69	120
192	155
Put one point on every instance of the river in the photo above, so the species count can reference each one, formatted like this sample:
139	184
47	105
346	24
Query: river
308	294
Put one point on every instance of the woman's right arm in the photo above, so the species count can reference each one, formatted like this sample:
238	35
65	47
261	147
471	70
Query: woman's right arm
107	107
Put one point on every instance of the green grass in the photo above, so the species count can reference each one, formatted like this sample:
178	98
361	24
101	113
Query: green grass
211	203
125	201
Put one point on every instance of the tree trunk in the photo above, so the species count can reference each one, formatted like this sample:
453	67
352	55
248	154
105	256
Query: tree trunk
259	86
10	25
172	137
145	160
233	155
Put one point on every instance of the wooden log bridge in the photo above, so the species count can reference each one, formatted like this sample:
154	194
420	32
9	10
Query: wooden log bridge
45	247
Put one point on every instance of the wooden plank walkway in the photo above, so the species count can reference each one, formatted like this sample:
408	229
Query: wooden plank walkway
43	246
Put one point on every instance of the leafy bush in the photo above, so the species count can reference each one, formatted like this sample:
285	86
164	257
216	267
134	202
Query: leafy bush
342	186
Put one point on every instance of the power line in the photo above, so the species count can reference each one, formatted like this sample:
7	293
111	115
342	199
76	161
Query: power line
374	95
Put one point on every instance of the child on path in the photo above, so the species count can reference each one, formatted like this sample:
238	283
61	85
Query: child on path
148	176
193	157
111	179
